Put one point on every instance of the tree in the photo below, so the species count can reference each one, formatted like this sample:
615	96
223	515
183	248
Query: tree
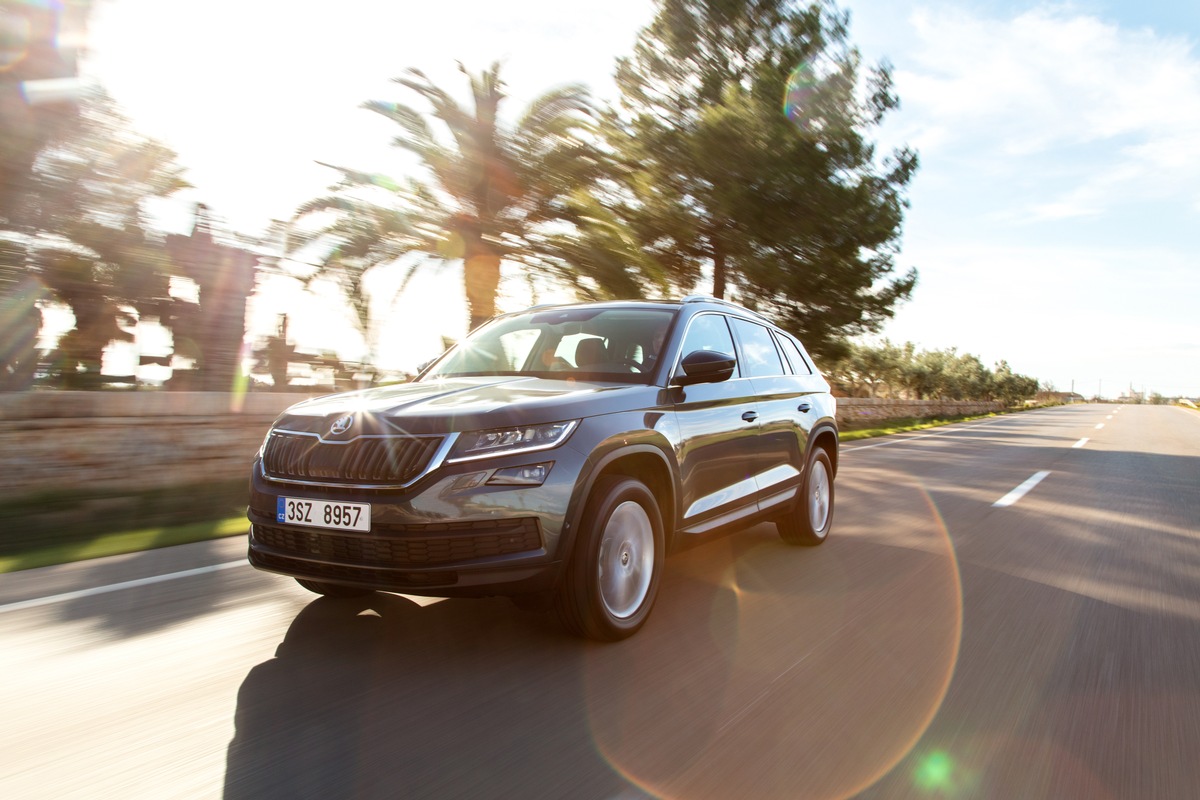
489	188
31	57
83	235
876	371
886	370
36	50
1011	388
211	330
786	201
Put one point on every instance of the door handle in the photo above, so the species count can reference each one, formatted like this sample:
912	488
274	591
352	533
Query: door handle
803	408
750	416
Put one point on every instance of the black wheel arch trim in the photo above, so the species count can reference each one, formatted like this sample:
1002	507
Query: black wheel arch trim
826	426
669	513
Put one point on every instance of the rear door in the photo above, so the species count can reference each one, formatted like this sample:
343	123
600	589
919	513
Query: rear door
785	417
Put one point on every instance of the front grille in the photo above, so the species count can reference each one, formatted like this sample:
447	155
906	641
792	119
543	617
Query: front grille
391	460
400	546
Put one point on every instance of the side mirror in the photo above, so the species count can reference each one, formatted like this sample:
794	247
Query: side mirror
705	366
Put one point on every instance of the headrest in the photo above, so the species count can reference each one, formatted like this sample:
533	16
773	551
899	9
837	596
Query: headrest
589	352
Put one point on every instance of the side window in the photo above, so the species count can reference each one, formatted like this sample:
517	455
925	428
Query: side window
799	363
758	349
708	332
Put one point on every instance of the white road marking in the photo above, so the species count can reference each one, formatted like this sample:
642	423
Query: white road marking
1081	442
1099	426
115	587
1022	490
1109	416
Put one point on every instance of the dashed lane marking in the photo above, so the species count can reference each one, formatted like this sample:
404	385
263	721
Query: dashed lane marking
1022	490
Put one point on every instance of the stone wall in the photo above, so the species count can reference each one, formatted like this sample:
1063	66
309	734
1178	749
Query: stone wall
129	441
863	412
71	441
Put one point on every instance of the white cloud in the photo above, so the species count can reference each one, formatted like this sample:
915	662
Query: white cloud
1117	110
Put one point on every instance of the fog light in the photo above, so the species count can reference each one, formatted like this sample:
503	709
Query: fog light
530	475
469	481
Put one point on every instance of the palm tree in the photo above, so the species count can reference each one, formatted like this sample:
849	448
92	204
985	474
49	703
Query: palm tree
89	240
489	189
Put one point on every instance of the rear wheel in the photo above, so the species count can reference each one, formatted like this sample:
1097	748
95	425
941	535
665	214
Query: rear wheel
611	580
811	517
332	589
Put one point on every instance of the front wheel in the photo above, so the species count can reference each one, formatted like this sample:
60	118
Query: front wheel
611	580
810	519
332	589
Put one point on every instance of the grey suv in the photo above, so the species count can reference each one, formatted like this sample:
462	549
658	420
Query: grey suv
556	454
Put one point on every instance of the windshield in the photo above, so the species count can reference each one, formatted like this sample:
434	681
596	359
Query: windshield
621	344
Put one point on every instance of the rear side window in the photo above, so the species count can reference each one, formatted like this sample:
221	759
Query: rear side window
759	354
799	364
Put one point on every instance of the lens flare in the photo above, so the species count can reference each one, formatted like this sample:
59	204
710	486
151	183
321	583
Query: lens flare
14	39
797	97
935	772
384	182
20	320
241	379
774	672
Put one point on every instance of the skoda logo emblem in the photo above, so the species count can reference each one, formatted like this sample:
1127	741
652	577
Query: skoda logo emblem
341	424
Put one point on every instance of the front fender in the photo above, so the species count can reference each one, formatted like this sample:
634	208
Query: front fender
642	448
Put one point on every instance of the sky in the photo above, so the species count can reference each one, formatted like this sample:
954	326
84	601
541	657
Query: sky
1053	219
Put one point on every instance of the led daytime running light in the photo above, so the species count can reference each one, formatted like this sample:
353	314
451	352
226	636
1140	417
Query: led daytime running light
517	439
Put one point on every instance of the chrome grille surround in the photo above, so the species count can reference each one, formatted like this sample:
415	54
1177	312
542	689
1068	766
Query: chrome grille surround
368	461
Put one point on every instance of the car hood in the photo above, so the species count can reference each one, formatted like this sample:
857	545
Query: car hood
460	404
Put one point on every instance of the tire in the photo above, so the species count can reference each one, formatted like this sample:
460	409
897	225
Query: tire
811	517
611	579
332	589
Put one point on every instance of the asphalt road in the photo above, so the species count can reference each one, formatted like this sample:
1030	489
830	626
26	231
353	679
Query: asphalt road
938	645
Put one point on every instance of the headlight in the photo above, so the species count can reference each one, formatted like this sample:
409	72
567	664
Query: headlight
506	441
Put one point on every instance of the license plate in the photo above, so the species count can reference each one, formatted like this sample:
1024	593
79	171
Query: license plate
323	514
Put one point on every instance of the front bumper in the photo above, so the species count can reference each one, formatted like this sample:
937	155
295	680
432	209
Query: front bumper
446	536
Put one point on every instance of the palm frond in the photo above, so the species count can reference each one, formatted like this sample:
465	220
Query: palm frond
458	120
553	108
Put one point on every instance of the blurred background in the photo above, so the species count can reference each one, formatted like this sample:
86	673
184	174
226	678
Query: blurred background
958	202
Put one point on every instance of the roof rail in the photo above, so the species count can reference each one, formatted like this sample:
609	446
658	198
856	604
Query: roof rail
704	298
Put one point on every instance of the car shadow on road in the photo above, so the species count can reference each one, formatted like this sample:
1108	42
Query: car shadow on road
379	697
153	599
754	653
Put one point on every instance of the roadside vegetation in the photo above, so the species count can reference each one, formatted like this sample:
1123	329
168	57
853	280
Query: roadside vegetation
902	372
909	424
120	543
55	527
